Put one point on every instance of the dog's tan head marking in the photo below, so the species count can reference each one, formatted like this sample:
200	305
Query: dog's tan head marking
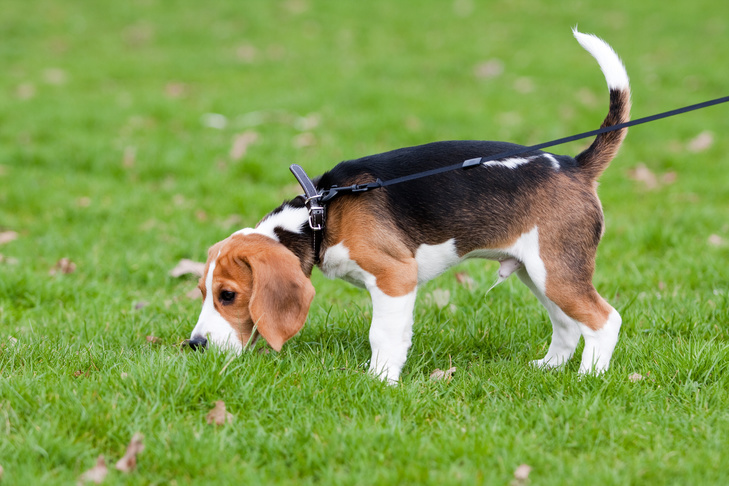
252	281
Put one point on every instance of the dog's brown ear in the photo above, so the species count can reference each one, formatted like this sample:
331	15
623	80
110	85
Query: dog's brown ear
281	293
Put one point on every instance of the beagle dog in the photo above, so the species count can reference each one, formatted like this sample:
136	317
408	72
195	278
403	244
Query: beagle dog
538	214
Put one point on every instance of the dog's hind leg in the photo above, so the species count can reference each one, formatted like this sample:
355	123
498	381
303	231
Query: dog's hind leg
565	330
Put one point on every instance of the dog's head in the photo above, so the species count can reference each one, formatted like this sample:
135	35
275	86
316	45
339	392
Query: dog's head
252	285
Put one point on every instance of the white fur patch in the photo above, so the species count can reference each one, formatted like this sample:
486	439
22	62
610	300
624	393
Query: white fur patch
526	250
610	64
600	344
288	219
511	163
554	161
336	263
435	259
211	325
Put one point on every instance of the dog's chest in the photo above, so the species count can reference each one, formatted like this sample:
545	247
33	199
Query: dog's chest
337	263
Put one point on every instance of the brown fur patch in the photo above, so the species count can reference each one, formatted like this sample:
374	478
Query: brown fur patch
374	243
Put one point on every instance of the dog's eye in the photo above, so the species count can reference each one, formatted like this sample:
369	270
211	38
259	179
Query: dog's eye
227	297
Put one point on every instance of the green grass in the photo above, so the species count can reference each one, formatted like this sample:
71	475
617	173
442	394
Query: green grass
85	83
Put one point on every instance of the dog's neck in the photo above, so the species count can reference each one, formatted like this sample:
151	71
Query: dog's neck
289	225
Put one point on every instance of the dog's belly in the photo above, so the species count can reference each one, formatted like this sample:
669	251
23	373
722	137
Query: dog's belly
436	259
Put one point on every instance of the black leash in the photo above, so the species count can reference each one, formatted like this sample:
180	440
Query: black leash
315	200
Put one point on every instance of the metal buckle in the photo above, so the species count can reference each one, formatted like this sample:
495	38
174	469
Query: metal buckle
316	212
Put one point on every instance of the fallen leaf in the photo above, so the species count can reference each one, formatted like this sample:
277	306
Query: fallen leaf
489	69
25	91
129	158
129	461
64	265
524	85
303	140
55	76
185	267
175	89
635	377
241	142
97	473
153	340
466	280
441	297
669	178
701	142
246	53
214	120
8	260
439	374
140	305
13	341
218	415
194	294
308	122
7	237
643	174
716	240
521	475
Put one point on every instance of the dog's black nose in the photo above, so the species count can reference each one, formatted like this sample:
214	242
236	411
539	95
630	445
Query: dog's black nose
198	342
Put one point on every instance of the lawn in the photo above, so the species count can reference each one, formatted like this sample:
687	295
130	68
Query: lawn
134	134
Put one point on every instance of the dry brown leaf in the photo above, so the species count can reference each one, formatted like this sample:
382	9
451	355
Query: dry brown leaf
7	236
25	91
241	142
8	260
64	265
489	69
439	374
466	280
185	267
218	415
129	158
140	305
97	473
521	475
441	297
701	142
716	240
669	178
129	461
643	174
246	53
635	377
153	340
194	294
55	76
175	89
303	140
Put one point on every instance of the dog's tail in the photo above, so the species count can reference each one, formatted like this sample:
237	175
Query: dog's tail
596	158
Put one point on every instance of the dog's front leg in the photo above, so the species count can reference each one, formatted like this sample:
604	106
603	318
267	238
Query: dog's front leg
391	332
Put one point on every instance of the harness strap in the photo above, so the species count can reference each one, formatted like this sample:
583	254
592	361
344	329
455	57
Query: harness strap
317	212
